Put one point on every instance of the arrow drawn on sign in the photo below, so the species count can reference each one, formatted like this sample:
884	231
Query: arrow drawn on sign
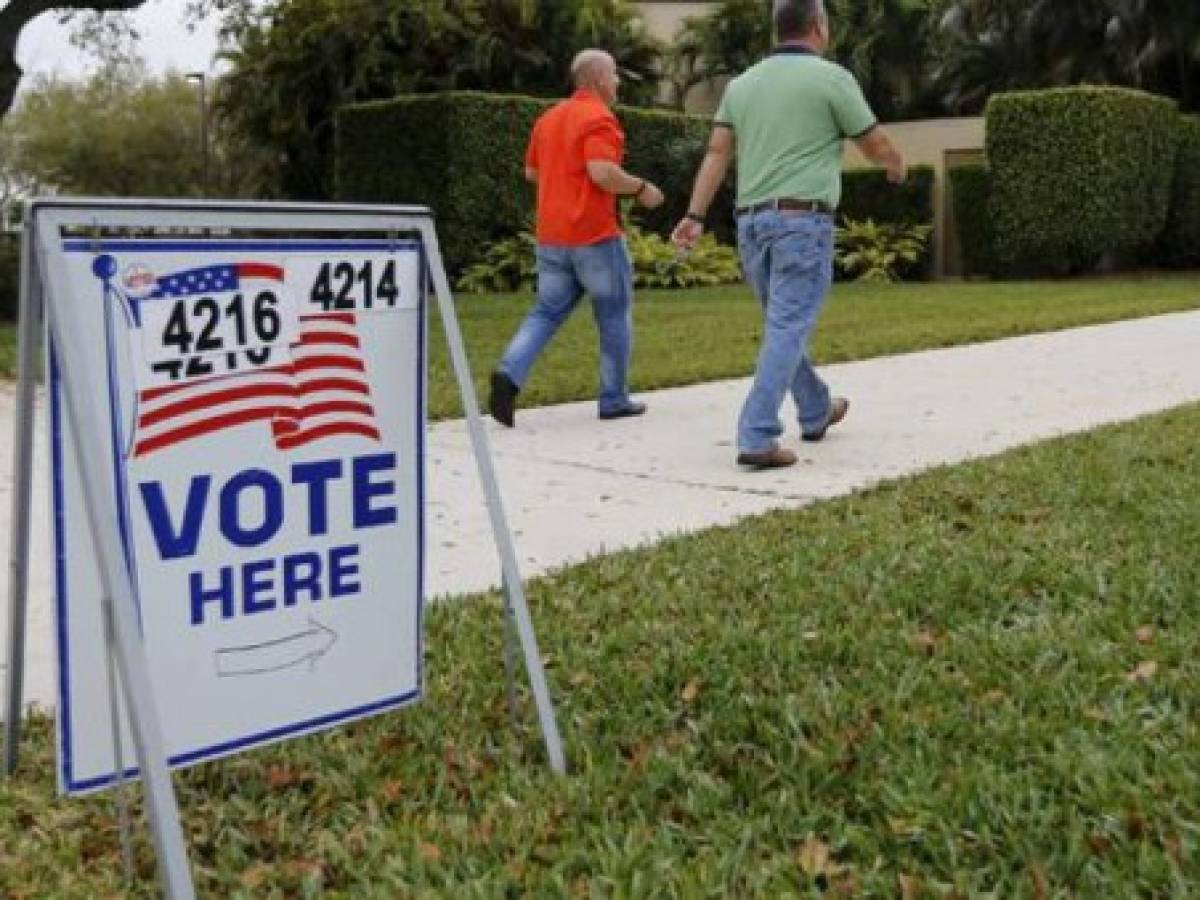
306	646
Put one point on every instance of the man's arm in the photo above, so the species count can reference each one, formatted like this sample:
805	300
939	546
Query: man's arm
876	146
608	176
721	148
531	174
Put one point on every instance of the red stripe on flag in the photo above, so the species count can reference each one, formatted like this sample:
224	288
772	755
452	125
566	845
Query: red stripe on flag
309	338
198	429
259	270
308	363
334	384
213	398
342	318
287	442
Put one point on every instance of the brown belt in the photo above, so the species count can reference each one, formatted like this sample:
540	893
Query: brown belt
786	204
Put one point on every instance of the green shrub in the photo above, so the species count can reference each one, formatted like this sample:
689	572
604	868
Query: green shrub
657	263
10	276
970	192
462	154
510	264
1181	237
867	194
1079	175
867	251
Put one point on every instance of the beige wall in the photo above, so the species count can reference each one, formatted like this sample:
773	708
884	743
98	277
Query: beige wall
663	21
932	142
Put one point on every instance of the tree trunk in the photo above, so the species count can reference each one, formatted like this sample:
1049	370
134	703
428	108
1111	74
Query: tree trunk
16	15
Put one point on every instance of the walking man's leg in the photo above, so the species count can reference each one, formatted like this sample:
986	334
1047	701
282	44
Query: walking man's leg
605	271
795	251
558	291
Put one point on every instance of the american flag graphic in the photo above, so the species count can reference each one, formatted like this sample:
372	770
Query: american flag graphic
320	389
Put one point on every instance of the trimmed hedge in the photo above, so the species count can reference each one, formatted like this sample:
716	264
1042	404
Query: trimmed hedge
462	154
10	276
867	194
1181	238
970	192
1080	175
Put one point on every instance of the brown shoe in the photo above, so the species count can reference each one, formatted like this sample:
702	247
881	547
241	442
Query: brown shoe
837	412
774	458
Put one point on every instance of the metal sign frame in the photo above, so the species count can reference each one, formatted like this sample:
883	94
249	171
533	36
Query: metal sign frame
43	293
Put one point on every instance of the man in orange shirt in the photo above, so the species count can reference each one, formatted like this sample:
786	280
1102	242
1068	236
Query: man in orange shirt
574	158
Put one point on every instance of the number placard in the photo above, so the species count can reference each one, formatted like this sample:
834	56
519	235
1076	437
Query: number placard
214	333
362	283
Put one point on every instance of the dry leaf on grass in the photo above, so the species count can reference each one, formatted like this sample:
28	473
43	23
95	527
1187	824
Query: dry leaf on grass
814	857
691	691
429	852
926	640
910	887
1041	885
1145	634
1143	671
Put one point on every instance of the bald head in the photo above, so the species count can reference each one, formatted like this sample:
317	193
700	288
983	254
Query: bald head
589	66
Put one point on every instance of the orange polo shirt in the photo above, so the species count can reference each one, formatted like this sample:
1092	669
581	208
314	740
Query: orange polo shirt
571	210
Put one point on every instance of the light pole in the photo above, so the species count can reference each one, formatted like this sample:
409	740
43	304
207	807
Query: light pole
200	79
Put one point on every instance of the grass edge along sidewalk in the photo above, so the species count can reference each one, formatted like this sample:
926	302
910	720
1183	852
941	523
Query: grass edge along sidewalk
694	336
978	679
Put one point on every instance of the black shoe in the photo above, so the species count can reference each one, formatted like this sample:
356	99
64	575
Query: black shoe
837	412
502	399
632	409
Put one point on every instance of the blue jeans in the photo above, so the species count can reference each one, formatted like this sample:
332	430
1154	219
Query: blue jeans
563	274
788	259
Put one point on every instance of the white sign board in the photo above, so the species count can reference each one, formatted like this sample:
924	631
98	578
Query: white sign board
266	406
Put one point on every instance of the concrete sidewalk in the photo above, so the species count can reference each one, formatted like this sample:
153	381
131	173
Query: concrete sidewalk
575	487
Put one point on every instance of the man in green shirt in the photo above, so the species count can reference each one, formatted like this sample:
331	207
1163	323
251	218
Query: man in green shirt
786	118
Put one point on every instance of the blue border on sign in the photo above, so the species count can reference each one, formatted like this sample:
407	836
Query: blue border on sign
295	729
85	245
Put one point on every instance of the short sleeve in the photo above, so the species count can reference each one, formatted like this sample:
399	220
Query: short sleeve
850	109
531	152
603	140
724	113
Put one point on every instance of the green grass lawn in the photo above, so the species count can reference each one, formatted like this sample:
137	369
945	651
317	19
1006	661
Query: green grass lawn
686	337
980	679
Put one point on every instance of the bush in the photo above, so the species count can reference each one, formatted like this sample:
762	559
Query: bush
970	192
510	264
1079	175
462	154
868	195
10	276
1181	238
867	251
657	264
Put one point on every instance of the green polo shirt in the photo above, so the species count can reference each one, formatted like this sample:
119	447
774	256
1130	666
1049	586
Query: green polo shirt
789	114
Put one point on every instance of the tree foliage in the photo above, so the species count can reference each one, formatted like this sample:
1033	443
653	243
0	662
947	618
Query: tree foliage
120	133
297	61
16	14
995	45
885	43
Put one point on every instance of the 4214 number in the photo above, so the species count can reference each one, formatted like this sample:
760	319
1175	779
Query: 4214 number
343	286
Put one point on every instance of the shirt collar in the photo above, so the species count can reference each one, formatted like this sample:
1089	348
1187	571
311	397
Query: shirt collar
793	50
587	94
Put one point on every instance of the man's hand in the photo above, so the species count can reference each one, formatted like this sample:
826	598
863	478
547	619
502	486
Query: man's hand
650	196
897	174
686	233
